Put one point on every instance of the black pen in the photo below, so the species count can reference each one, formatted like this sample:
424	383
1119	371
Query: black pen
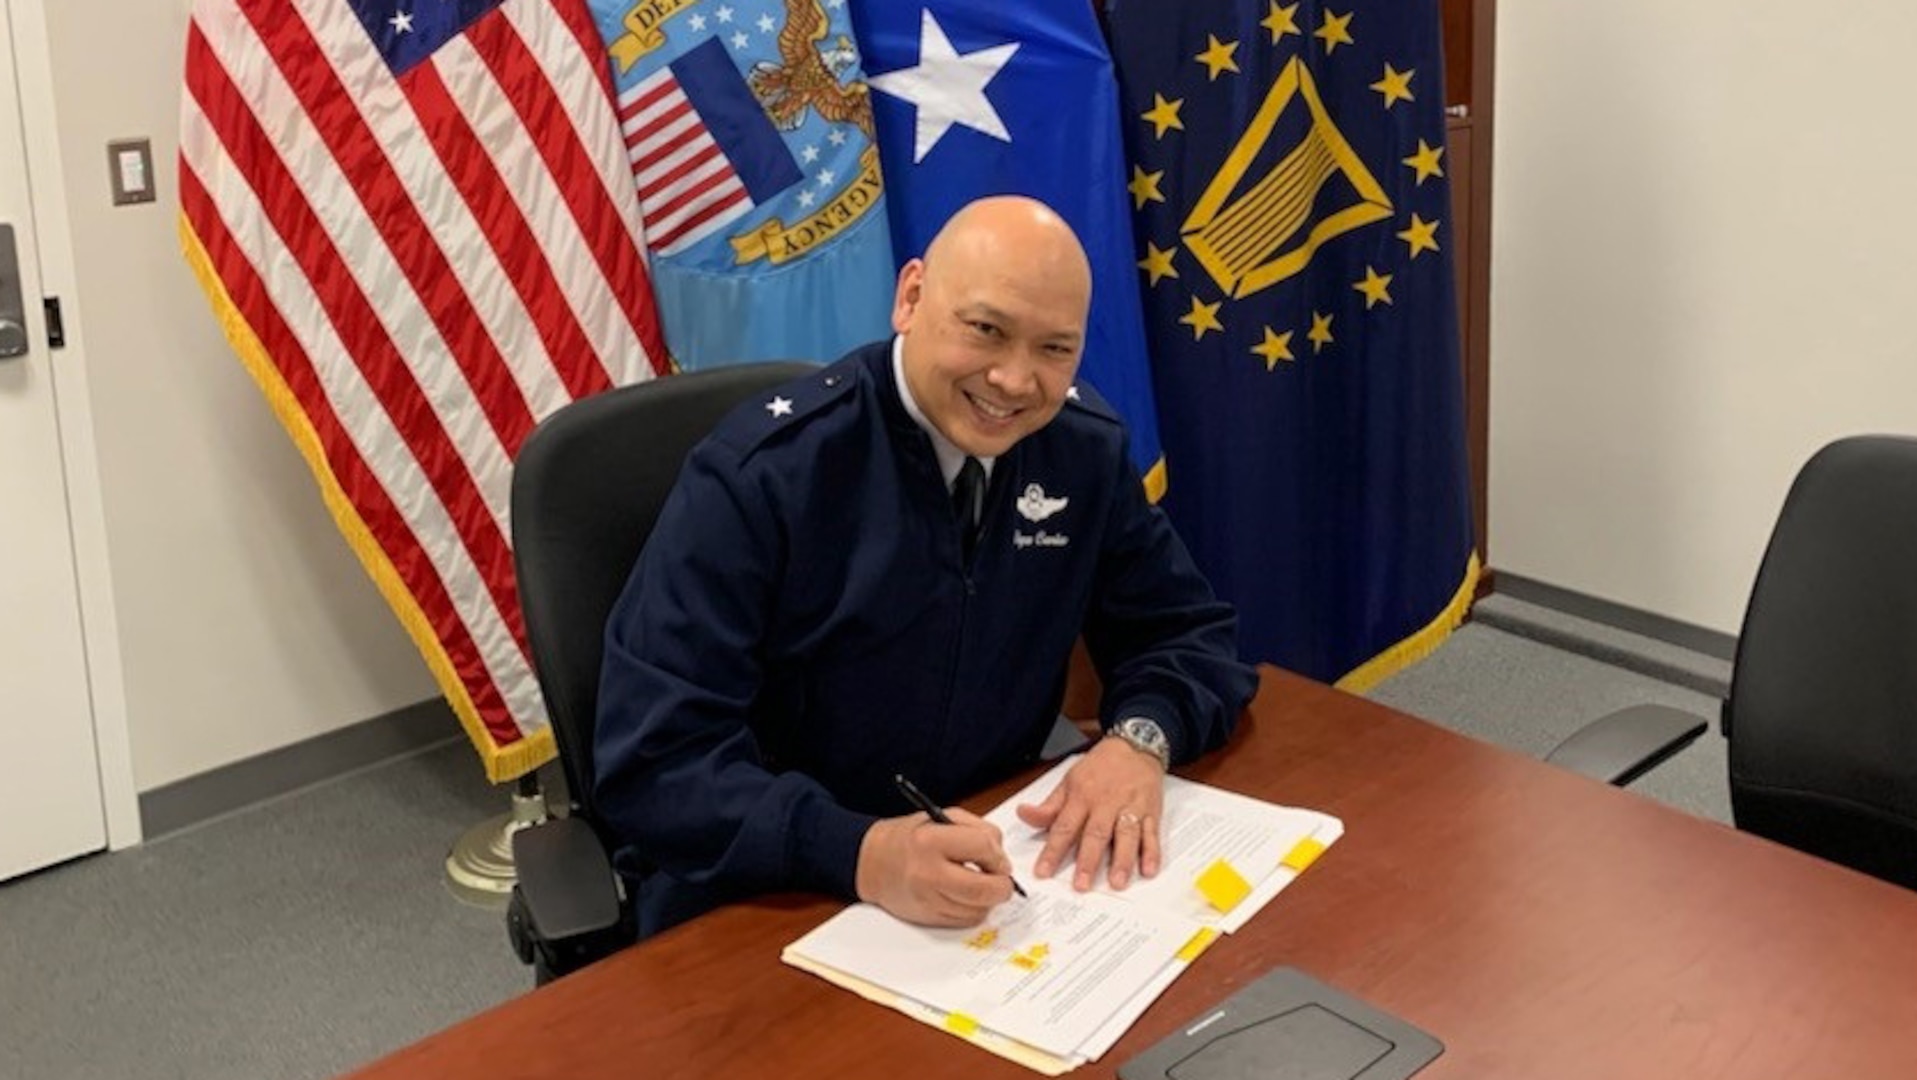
917	798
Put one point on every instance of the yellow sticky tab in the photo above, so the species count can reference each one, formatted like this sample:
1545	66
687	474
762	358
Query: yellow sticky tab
1199	943
961	1024
1304	854
1223	886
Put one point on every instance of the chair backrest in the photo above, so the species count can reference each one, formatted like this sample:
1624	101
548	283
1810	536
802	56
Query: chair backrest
1823	707
587	489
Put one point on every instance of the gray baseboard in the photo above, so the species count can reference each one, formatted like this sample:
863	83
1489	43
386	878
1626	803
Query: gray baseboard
325	757
1649	644
1629	619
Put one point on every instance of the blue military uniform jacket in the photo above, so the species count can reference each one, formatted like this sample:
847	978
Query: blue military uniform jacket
802	626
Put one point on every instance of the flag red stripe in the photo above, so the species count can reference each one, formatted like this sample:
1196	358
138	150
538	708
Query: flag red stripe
646	101
659	184
365	339
476	175
370	499
578	19
692	194
694	221
653	127
500	47
405	233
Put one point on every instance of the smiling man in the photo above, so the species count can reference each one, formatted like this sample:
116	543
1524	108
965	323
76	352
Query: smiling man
879	571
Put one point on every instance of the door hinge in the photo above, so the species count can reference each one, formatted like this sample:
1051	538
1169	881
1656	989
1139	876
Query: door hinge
56	326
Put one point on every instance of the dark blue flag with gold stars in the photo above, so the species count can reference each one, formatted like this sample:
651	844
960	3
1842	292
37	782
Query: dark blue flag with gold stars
1293	221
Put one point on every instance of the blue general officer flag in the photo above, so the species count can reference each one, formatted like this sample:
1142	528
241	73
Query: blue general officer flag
749	128
976	99
1293	220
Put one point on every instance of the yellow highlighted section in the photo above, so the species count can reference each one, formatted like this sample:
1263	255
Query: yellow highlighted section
1198	944
1224	887
961	1024
1304	854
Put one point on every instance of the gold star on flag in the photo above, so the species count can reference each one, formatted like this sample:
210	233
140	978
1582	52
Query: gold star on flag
1281	21
1395	86
1217	57
1202	317
1275	347
1320	335
1163	115
1144	187
1426	162
1422	236
1375	286
1158	263
1336	30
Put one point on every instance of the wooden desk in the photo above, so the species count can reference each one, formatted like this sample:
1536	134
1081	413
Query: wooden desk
1543	926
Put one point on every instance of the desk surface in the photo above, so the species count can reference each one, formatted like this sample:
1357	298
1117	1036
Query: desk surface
1539	924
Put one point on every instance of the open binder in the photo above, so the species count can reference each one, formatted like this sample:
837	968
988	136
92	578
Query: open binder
1054	980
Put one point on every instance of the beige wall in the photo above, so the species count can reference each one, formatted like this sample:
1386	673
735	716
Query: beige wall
245	623
1702	271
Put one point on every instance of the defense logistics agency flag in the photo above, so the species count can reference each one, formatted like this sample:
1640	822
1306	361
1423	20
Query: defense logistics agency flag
1294	224
977	99
418	229
749	132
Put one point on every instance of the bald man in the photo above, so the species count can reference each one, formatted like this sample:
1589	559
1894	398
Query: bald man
880	570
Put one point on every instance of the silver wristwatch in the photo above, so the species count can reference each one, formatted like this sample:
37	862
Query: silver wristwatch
1146	736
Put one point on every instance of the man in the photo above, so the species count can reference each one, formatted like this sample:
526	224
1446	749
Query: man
816	613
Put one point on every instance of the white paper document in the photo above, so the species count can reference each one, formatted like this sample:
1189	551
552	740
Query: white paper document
1202	825
1054	980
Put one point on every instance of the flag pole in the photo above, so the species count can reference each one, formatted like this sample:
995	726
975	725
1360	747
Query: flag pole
479	868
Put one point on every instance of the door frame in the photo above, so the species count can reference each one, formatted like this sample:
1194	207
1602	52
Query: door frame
72	401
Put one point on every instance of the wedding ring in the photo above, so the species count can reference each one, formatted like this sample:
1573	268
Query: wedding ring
1126	817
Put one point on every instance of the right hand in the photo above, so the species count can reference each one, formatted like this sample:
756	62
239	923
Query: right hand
917	869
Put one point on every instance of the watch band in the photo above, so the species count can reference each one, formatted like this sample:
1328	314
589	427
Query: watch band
1144	735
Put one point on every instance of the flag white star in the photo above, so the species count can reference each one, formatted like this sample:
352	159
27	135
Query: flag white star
947	88
766	24
698	24
807	198
809	153
837	138
740	41
402	22
826	176
725	14
779	406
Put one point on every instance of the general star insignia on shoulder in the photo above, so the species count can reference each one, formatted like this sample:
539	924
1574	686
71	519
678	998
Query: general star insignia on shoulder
779	406
1034	506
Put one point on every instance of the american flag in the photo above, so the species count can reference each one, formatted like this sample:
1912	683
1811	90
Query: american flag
416	221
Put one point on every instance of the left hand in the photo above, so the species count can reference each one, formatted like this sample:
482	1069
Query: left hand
1112	800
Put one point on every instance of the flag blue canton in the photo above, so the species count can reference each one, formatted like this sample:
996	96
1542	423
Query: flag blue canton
749	129
406	32
979	99
1294	236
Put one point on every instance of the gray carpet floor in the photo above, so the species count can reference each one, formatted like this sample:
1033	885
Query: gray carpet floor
311	934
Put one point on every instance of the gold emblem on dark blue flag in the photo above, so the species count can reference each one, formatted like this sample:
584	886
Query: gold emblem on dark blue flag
1251	236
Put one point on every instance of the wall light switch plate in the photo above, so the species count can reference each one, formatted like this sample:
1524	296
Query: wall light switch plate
130	165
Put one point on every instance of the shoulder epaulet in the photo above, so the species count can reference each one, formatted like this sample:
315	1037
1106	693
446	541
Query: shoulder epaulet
785	407
1082	398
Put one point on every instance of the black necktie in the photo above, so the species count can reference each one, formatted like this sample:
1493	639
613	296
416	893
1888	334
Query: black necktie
968	503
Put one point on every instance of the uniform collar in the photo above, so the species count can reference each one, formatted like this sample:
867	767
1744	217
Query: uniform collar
949	455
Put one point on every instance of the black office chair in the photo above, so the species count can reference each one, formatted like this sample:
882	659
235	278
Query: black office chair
586	492
1822	714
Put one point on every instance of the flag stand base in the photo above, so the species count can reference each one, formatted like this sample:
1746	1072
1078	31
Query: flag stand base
479	869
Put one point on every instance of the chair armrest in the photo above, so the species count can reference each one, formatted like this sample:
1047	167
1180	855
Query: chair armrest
568	908
1625	745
